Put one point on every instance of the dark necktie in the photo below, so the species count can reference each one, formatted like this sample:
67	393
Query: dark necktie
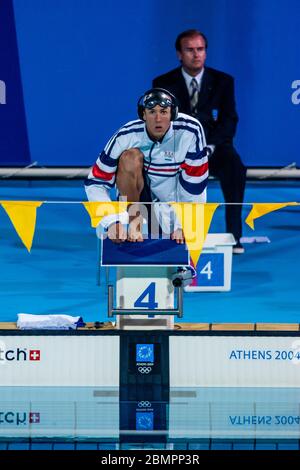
194	96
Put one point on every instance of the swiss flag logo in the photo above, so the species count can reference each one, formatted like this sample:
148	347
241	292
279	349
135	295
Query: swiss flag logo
34	417
34	354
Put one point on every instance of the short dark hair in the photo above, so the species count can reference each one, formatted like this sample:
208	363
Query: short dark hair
189	33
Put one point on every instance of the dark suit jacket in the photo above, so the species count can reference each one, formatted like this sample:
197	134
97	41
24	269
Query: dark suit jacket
216	103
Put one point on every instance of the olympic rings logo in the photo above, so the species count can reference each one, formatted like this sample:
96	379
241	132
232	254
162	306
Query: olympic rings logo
144	370
144	404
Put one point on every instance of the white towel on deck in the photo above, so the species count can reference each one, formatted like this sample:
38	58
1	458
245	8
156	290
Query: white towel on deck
27	321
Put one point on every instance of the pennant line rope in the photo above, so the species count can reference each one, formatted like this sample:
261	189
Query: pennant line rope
195	218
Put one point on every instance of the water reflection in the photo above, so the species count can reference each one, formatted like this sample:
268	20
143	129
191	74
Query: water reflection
88	413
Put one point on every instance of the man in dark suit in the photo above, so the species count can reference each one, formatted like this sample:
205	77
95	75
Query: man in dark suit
208	95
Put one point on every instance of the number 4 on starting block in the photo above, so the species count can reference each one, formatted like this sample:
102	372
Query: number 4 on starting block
214	265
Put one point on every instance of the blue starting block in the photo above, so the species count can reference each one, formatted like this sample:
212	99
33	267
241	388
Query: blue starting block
215	264
160	252
145	294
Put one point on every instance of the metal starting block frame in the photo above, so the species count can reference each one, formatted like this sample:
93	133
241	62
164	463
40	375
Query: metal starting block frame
145	295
